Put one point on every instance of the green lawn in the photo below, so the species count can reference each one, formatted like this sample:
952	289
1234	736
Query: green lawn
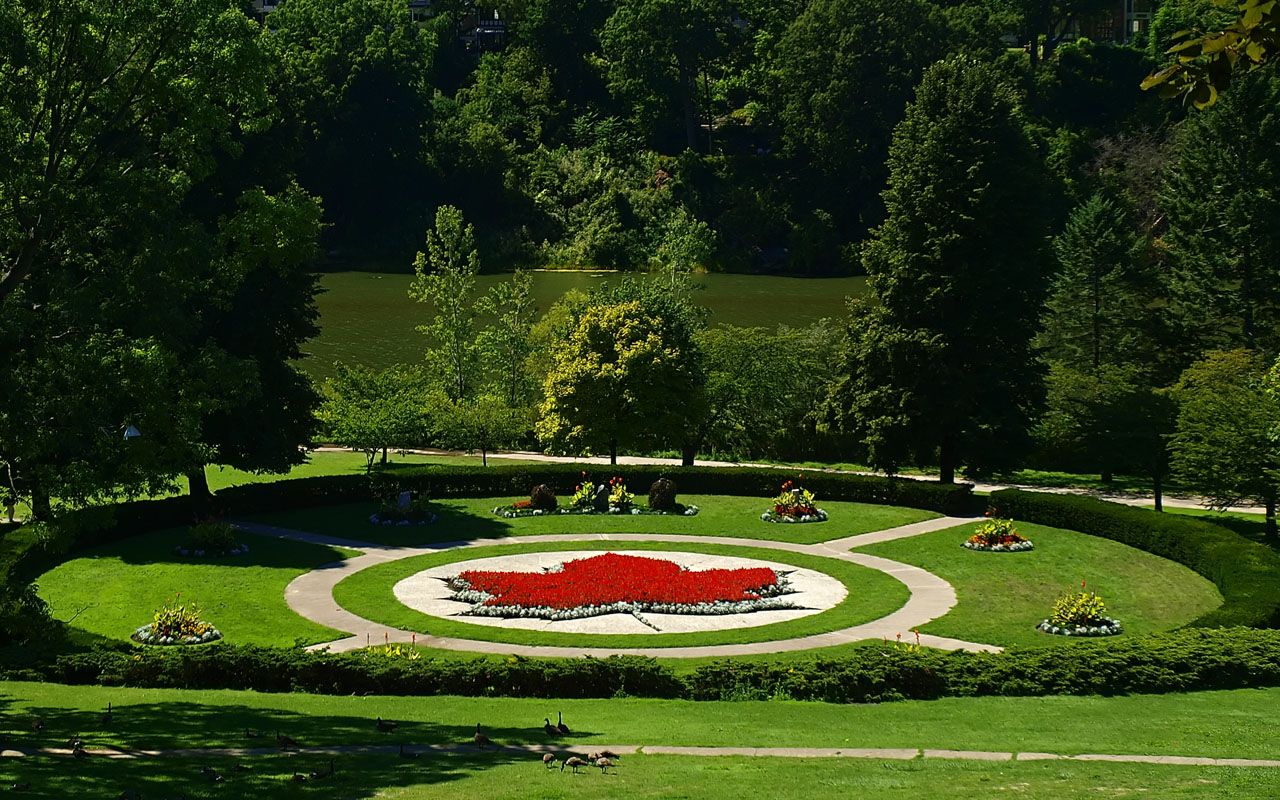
1215	724
1002	596
111	590
872	594
467	519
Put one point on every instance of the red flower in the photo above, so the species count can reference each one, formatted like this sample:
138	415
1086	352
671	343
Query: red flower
613	578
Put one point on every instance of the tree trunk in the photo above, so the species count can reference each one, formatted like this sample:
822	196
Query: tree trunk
613	452
1107	477
198	483
687	454
1157	488
484	456
384	456
41	506
946	462
690	108
1271	518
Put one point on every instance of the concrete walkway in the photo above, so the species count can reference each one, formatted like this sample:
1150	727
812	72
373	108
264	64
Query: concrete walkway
536	751
311	595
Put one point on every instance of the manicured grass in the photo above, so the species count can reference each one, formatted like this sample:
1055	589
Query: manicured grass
1236	724
496	776
467	519
872	594
1002	596
111	590
331	462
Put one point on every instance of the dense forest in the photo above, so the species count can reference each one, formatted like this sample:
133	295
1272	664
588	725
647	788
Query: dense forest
1064	270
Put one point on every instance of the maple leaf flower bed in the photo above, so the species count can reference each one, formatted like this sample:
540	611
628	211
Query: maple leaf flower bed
620	584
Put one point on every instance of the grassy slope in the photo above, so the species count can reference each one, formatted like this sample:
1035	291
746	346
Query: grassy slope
872	595
1238	723
113	589
1003	595
718	516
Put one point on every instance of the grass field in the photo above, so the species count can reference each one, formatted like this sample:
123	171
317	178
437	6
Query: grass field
1002	596
463	520
110	591
1216	724
872	594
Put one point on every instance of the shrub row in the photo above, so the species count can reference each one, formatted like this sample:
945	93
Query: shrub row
1187	660
1246	573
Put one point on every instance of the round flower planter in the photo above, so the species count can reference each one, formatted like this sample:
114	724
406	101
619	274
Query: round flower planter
195	552
1104	626
509	512
1015	547
145	635
378	519
818	515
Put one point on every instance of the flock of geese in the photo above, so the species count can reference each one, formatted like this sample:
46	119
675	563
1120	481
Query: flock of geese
604	760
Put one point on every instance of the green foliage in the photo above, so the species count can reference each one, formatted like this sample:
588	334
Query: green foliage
1078	608
372	410
445	277
507	342
482	423
1225	442
212	536
1206	61
1247	574
662	495
179	620
939	356
1220	199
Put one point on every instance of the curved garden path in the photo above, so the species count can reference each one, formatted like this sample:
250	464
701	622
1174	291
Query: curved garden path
311	594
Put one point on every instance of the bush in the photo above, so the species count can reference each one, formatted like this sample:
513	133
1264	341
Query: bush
1246	573
543	497
213	537
662	495
1187	660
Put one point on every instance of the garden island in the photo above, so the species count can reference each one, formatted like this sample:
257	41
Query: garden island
639	398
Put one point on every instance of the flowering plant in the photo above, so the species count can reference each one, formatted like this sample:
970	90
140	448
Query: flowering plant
177	623
794	503
613	583
619	497
584	494
1080	613
997	535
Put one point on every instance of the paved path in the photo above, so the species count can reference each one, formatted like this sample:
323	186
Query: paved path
311	595
1127	499
879	753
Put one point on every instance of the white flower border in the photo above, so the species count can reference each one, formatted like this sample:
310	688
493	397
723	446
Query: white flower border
376	519
507	512
1106	627
193	552
770	600
818	516
1017	547
144	635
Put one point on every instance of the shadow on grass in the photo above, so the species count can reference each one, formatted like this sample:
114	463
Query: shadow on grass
167	726
351	521
266	552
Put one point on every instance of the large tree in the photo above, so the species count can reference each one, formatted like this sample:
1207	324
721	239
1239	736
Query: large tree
1225	445
939	366
1222	203
445	277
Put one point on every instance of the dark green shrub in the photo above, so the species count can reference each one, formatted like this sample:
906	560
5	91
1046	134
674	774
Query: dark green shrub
1246	573
543	497
662	495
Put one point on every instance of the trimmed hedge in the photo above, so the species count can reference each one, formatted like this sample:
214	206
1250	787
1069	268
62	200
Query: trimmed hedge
1187	660
1246	573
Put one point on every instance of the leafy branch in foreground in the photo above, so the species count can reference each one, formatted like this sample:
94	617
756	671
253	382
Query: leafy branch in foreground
1205	62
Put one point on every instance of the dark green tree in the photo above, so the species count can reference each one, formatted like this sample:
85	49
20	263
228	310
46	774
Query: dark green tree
939	366
1221	202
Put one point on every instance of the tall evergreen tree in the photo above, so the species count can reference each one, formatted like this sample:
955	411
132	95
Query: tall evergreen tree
940	361
1222	200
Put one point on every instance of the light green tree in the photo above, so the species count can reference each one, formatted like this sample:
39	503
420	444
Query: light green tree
507	340
375	411
445	277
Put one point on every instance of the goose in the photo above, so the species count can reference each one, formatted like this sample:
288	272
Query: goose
609	754
386	725
574	762
319	775
560	726
549	760
548	728
75	742
212	774
407	754
285	742
78	753
298	777
20	786
37	724
480	739
604	764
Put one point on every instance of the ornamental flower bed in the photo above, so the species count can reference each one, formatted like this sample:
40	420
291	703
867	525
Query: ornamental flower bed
211	539
176	623
998	536
589	497
404	509
794	504
619	584
1080	614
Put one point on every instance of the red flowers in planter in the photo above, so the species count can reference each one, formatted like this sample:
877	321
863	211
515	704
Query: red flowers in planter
613	578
